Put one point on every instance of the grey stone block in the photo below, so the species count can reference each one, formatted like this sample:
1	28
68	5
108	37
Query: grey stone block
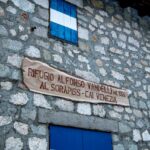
4	71
28	114
78	3
43	13
3	31
12	44
39	130
24	5
75	120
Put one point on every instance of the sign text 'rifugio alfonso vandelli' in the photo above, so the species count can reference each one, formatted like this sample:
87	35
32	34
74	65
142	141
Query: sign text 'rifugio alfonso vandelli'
41	78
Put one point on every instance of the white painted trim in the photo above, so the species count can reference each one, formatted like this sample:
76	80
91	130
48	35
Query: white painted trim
63	19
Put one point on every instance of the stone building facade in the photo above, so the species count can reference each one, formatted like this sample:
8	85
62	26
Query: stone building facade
113	48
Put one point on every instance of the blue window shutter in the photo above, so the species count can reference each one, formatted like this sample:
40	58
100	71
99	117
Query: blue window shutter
63	21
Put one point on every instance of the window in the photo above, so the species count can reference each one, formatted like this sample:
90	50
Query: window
63	21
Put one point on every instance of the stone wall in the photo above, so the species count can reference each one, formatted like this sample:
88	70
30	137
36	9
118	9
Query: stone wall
114	48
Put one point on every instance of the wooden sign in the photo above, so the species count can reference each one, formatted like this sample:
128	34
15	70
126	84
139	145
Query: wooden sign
41	78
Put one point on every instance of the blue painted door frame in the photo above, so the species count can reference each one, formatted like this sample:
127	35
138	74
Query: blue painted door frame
66	138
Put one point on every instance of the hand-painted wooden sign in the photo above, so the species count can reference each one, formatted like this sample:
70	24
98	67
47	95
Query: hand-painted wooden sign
41	78
63	21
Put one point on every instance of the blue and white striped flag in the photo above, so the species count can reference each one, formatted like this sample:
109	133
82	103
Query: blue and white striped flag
63	21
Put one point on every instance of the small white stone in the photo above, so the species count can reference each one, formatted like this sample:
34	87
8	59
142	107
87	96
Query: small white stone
136	135
43	3
100	49
21	28
99	63
19	99
37	143
70	53
39	130
58	59
82	59
99	18
137	113
14	144
89	9
64	105
116	61
119	29
147	44
101	32
103	13
11	10
40	21
40	101
5	120
142	94
114	34
15	60
118	147
58	48
115	50
114	114
118	109
83	33
32	51
92	28
3	31
121	44
137	34
102	27
146	136
147	69
126	31
126	117
13	32
131	48
133	41
148	88
113	83
128	110
99	110
123	37
147	57
94	23
102	71
117	75
127	24
105	40
84	109
21	128
6	85
87	75
24	5
110	25
24	37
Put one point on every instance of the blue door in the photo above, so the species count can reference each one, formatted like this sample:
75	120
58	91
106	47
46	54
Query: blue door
64	138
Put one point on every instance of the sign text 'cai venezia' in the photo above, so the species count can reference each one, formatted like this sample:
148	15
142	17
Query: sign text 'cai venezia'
41	78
